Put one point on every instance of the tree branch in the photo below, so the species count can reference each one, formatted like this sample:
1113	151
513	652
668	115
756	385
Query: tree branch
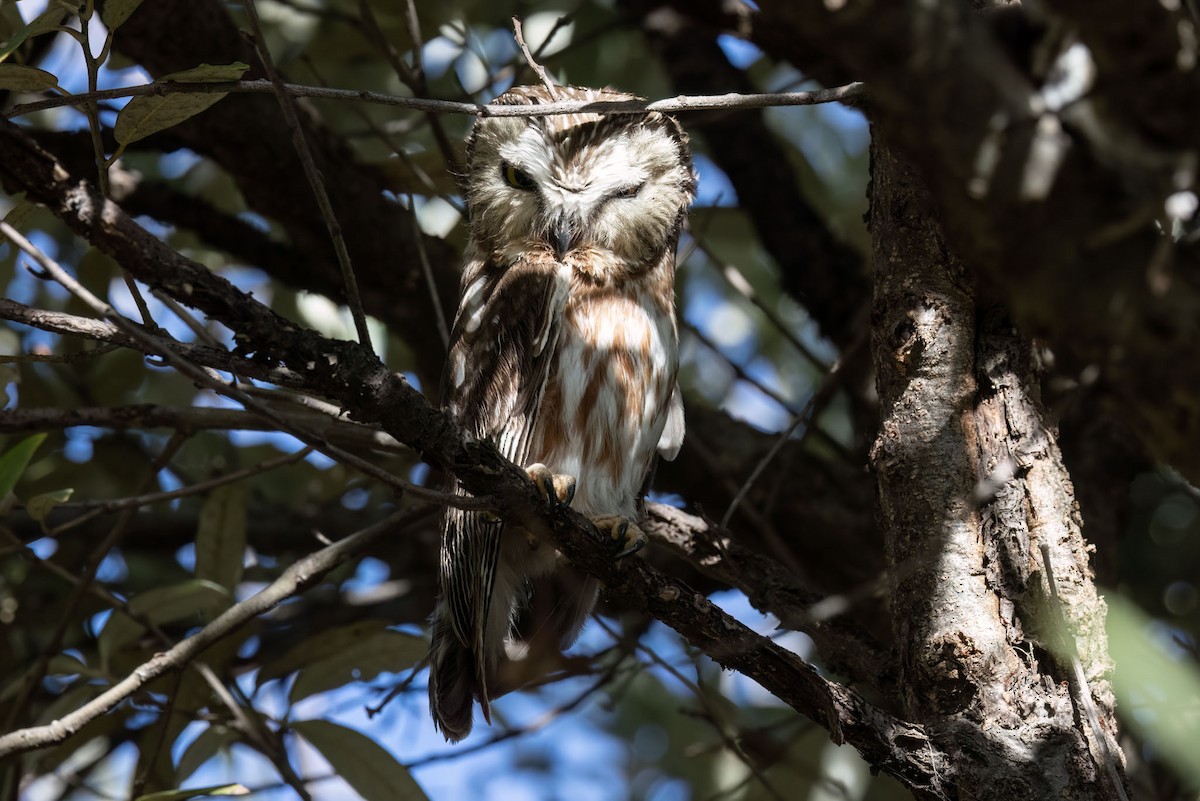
355	378
104	331
148	415
773	589
296	578
730	101
823	274
970	603
242	134
1049	197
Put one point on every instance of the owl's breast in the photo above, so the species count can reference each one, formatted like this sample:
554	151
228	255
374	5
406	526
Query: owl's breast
607	397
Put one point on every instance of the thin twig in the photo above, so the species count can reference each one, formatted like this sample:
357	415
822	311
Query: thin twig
544	76
298	577
734	277
102	331
197	374
84	584
413	78
149	761
559	23
427	271
96	590
317	416
92	110
819	398
106	507
712	713
714	464
254	730
674	105
287	104
451	165
541	722
59	358
738	369
418	41
188	318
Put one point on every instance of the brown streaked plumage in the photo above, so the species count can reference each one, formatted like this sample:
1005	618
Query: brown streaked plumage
564	353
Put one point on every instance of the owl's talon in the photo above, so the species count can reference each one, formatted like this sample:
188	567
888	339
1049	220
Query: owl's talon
556	487
564	488
625	536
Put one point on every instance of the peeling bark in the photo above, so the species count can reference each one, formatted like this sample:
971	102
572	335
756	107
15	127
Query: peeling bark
971	483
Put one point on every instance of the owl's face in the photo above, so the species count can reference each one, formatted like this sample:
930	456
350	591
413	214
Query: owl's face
603	194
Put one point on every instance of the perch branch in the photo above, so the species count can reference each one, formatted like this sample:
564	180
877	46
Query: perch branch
354	377
841	94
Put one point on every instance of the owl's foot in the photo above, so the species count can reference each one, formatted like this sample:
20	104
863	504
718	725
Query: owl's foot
558	487
626	537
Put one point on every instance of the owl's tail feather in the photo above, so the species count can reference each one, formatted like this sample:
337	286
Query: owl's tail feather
456	682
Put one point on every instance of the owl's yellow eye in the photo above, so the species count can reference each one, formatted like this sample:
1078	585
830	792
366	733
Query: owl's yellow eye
515	178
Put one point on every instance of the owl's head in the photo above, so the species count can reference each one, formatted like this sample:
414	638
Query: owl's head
605	194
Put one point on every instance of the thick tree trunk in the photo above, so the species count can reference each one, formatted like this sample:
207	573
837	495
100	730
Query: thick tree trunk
972	493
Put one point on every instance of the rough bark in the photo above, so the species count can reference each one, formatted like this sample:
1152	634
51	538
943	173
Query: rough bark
971	483
1056	210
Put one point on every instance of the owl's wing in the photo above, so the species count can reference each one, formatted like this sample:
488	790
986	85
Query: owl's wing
672	436
502	343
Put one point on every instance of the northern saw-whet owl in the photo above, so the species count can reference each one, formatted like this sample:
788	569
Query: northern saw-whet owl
564	353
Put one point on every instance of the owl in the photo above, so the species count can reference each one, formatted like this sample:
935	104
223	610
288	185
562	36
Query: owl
564	353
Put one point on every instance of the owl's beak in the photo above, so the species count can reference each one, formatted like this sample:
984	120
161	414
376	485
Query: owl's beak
563	239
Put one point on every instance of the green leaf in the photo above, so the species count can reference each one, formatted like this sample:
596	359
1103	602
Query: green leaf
143	116
59	665
40	505
183	795
195	601
327	645
50	19
383	651
208	744
115	12
67	665
221	536
10	22
207	73
18	215
360	761
47	21
14	462
20	78
67	701
1158	694
415	171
